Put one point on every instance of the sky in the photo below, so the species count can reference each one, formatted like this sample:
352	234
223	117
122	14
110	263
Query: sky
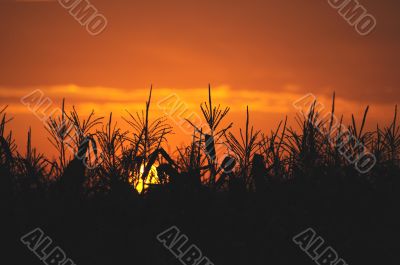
257	53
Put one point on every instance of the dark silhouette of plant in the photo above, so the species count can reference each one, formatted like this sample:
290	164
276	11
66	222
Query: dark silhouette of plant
60	129
7	148
31	168
117	188
213	116
147	139
244	149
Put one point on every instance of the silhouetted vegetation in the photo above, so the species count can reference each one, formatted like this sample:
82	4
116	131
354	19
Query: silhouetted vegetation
240	208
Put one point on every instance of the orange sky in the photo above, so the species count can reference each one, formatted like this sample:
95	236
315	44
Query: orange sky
260	53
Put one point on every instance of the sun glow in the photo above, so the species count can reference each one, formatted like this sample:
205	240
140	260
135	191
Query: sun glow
141	185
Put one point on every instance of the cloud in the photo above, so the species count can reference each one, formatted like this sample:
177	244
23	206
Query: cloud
107	99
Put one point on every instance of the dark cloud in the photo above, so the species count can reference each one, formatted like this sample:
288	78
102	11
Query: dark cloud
255	45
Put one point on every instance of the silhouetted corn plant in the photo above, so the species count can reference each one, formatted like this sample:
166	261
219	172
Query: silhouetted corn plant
191	160
111	174
7	147
60	129
7	143
305	148
213	116
358	139
244	149
71	134
391	140
147	139
83	135
274	154
149	134
31	168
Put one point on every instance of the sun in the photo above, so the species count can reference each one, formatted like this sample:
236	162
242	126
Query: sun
142	185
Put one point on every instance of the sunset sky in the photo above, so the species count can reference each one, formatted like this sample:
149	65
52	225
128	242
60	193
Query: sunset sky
260	53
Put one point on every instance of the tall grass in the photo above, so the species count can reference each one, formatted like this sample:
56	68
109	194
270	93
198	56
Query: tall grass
126	159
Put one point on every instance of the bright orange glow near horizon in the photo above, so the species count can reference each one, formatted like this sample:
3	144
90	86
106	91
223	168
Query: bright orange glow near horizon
261	54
